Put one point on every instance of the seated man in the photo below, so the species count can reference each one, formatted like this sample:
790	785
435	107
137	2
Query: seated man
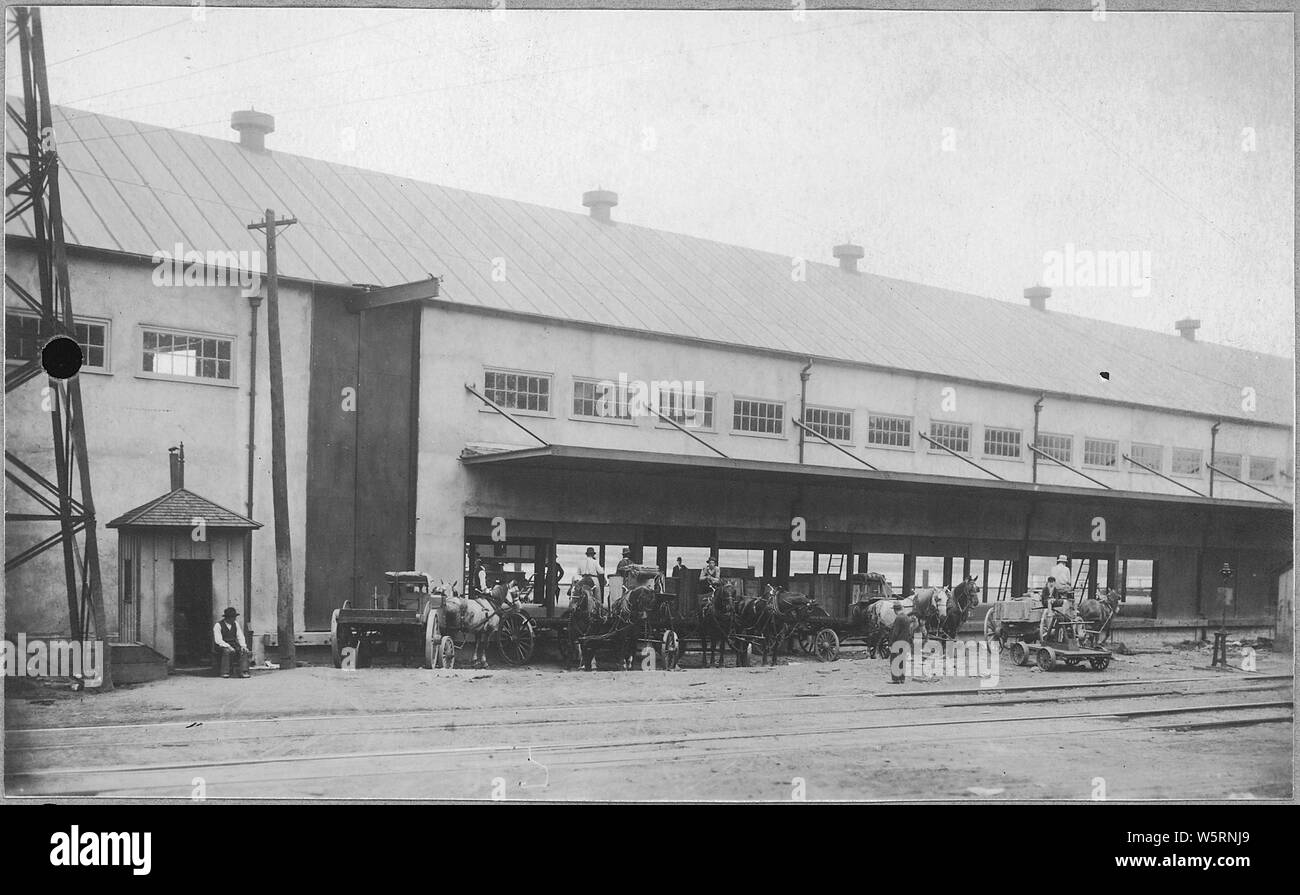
711	577
228	643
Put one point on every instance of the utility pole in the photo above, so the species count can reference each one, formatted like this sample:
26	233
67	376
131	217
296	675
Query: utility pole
279	483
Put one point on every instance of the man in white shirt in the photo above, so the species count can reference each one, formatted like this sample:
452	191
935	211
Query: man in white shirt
1061	572
228	639
589	569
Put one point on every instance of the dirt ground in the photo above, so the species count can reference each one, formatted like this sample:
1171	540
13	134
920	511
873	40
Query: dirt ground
802	729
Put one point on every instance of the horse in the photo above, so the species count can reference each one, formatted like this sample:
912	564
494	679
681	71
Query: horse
875	618
930	608
965	597
789	611
619	629
717	616
1099	613
479	616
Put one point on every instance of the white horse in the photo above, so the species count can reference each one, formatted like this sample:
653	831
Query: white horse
463	616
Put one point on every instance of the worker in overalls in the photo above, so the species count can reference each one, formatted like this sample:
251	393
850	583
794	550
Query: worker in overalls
228	641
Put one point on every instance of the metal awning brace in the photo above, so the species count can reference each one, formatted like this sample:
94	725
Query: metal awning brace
1067	466
686	431
1162	475
944	447
1247	484
506	413
837	447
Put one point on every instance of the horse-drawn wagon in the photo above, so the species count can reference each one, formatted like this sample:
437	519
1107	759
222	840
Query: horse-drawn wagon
1027	631
640	622
403	625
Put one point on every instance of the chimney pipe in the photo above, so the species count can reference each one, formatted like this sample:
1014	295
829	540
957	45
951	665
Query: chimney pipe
253	128
600	202
1187	328
176	461
1037	297
849	254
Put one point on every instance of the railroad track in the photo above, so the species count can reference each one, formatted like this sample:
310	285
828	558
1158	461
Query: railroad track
521	739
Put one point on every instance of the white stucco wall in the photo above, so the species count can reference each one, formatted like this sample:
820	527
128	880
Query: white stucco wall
458	345
132	420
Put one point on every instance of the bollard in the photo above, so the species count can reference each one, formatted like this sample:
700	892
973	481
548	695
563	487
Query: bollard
1220	654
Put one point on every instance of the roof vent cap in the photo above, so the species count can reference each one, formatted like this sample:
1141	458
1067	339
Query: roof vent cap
253	128
1187	328
600	202
849	254
1037	297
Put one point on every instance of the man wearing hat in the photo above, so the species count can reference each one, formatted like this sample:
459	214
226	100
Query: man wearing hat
590	571
1061	572
228	637
711	577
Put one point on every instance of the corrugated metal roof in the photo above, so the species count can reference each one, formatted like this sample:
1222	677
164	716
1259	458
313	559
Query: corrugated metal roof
136	188
179	509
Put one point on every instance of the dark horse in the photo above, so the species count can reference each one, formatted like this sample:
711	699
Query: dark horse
618	630
768	620
717	617
965	597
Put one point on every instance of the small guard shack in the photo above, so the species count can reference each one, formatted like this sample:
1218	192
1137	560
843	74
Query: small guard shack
181	561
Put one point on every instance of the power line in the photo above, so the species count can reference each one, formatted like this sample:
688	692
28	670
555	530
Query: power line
78	57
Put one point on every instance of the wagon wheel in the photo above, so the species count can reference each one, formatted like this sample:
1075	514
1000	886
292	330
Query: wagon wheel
515	638
672	649
1046	658
993	630
1019	655
881	649
826	643
432	639
336	648
1073	661
1099	663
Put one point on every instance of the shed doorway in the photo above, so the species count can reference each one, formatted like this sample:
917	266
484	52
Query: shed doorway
192	590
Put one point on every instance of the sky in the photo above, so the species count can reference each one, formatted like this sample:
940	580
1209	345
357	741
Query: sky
959	149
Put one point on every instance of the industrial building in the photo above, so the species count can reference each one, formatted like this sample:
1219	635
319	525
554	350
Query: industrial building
408	310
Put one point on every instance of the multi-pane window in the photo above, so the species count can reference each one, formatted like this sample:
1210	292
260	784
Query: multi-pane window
599	399
23	340
953	436
836	425
1100	452
1002	442
691	409
1263	469
1060	447
1229	463
763	417
889	431
22	337
518	391
1186	461
185	354
1151	455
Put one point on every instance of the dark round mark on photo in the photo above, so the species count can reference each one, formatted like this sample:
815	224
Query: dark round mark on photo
61	357
1105	374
